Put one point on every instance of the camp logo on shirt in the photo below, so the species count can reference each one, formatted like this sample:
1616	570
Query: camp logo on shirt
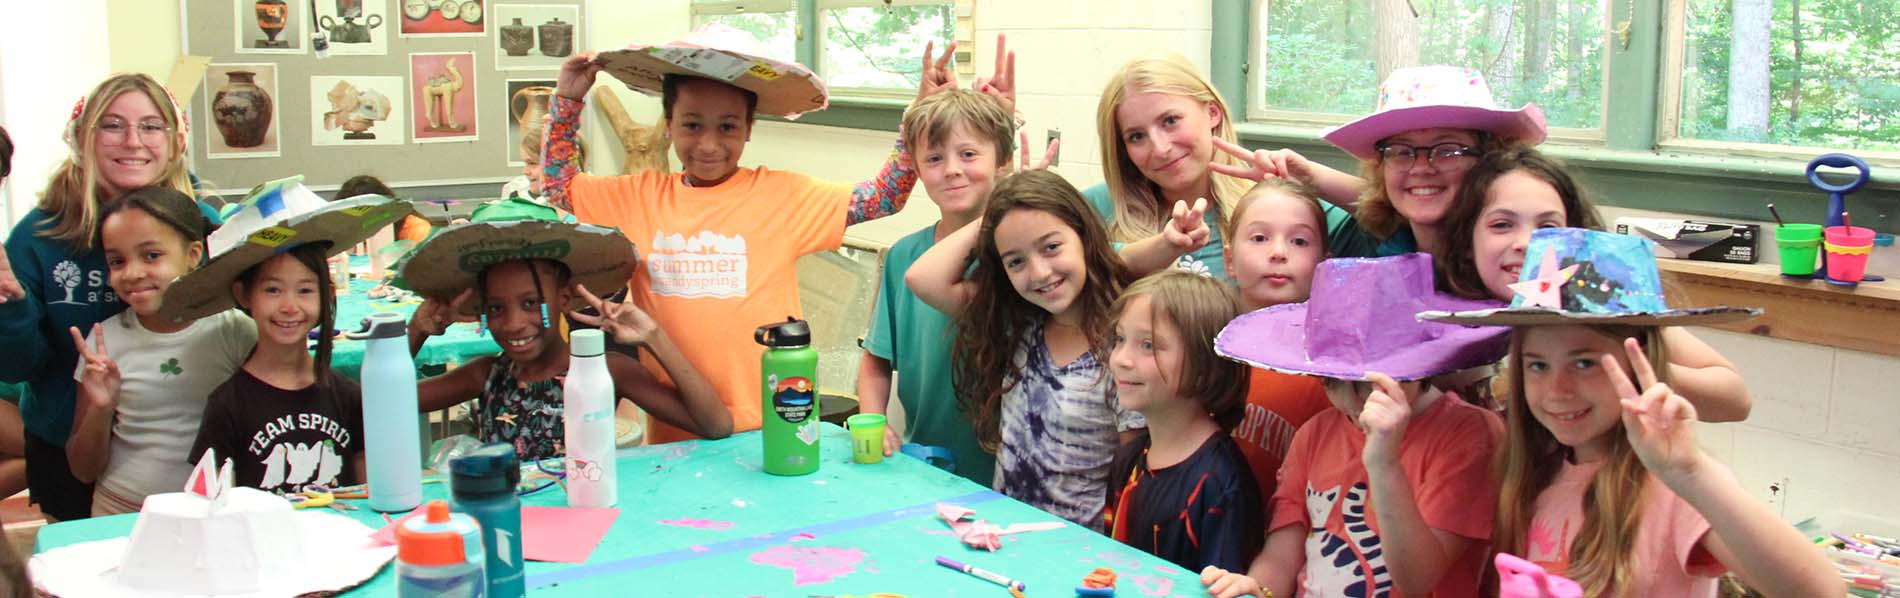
68	276
706	264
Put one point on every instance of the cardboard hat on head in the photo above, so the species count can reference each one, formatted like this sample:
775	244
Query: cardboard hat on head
452	260
274	218
1436	97
726	55
1580	276
1360	320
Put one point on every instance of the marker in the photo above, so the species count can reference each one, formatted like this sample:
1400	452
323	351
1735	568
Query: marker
989	576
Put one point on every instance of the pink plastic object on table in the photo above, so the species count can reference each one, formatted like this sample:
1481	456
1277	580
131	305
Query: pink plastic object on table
983	534
1519	578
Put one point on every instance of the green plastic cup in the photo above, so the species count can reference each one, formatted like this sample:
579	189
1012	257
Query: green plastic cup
867	437
1800	246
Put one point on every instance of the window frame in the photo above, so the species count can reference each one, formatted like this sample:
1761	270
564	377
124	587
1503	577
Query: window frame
818	31
1640	163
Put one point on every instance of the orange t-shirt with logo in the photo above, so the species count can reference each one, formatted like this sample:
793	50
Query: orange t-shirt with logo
716	263
1277	405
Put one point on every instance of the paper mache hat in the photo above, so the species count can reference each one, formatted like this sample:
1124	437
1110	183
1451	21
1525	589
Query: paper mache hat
721	53
274	218
1432	97
1359	319
1584	276
451	260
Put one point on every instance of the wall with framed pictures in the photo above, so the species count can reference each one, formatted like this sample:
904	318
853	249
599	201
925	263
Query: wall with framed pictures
415	92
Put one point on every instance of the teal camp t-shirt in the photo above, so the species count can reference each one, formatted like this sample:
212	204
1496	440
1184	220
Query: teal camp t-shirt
916	338
1207	260
1345	238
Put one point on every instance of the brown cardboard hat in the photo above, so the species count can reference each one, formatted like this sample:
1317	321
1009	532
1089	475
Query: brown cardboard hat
450	262
723	54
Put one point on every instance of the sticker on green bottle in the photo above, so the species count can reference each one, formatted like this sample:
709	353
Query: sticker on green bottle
794	399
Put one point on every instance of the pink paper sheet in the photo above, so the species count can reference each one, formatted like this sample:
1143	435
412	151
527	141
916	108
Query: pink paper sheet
563	534
548	534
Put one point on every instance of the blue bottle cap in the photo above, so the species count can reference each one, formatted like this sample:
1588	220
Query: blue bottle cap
490	470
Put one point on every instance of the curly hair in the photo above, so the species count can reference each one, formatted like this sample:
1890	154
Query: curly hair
1198	307
1376	213
992	325
1458	271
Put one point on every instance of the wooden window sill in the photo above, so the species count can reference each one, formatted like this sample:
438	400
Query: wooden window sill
1865	317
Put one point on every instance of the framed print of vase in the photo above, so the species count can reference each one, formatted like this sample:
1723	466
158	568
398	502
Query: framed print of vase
536	37
242	102
356	27
271	26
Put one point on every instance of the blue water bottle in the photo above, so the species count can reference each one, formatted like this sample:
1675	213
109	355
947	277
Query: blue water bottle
439	555
391	426
482	483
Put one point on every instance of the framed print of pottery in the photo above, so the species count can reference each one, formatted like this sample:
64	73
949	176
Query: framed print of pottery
356	27
443	18
442	92
243	103
358	110
536	37
527	102
271	26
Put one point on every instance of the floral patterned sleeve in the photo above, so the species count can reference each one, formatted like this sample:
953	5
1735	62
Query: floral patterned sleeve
557	151
886	193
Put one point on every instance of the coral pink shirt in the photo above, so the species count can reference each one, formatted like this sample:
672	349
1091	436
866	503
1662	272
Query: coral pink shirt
1669	560
1446	454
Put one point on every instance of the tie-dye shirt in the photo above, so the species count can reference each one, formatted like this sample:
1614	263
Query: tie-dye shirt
1060	428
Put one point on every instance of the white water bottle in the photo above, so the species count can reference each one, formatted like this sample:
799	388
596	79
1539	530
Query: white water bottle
588	410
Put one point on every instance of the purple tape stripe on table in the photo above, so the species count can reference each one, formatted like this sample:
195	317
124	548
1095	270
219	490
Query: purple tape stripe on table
626	565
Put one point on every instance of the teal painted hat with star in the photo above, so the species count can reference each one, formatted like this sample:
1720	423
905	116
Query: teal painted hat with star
1581	276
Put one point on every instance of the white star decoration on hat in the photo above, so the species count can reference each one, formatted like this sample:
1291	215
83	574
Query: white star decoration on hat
1543	291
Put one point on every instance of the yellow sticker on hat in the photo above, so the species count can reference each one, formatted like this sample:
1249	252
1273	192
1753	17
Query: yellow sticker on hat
763	72
273	236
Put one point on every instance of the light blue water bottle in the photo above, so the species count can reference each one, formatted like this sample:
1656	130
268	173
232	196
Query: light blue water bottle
439	555
391	426
483	484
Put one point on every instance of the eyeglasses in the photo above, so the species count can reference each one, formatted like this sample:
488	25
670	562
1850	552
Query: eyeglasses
1399	155
115	128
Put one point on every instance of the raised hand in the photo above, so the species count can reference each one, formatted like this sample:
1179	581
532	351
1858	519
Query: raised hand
1263	164
10	289
577	76
1048	155
1187	228
1656	419
1383	419
99	383
626	323
938	74
1222	583
1001	84
434	315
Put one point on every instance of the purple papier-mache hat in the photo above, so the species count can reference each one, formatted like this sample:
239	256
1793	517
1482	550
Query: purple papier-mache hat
1361	318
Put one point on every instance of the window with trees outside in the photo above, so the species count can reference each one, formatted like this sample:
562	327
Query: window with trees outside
864	44
1327	57
1814	73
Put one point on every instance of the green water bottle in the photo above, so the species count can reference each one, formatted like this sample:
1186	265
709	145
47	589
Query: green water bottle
788	377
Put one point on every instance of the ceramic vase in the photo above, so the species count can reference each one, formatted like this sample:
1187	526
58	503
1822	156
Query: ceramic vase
242	111
271	15
517	38
557	38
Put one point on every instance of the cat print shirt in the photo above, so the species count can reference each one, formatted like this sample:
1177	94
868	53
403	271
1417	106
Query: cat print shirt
280	440
1446	454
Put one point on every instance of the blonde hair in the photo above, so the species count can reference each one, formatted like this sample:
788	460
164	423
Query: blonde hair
1601	555
931	121
73	193
1376	213
1139	212
1307	195
1199	307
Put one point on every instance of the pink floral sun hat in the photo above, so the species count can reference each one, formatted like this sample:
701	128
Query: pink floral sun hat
1434	97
